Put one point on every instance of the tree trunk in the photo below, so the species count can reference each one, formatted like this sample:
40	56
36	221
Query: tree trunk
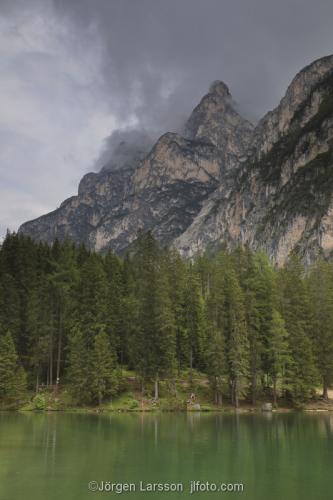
325	390
173	388
156	388
254	389
232	392
51	361
236	401
58	358
236	394
218	393
208	287
274	392
191	366
37	381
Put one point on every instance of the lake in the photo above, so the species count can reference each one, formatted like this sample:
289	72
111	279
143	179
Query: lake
56	455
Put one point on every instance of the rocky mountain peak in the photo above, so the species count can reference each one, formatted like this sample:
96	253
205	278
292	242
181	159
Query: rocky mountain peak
222	182
306	79
282	201
304	87
216	121
220	89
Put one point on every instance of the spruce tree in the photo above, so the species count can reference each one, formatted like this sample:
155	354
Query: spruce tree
216	360
278	354
237	339
115	284
258	286
165	328
153	346
301	373
177	284
77	373
90	302
103	378
10	306
321	300
194	337
63	280
12	375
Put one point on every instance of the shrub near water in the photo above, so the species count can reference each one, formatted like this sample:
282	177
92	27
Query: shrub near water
39	402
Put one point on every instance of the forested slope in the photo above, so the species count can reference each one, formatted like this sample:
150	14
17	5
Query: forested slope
69	317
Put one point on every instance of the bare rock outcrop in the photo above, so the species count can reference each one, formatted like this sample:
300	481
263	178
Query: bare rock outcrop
222	182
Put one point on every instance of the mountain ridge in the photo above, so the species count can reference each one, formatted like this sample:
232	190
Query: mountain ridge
222	181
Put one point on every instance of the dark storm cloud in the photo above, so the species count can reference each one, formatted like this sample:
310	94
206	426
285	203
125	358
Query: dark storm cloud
161	55
123	147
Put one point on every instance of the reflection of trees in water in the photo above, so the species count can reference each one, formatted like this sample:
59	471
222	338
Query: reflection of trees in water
144	446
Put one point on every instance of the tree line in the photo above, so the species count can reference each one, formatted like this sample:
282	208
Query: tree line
72	317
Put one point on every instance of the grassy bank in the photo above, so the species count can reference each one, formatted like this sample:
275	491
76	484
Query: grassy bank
181	395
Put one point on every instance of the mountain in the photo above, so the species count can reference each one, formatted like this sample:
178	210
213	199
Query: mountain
222	182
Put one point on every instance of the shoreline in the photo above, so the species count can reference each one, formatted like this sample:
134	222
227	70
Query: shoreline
131	400
223	410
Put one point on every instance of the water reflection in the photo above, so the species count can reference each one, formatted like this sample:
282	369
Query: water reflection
276	456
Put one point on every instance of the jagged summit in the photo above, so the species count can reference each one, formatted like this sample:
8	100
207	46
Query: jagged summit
215	117
220	89
277	122
222	181
315	70
282	201
216	120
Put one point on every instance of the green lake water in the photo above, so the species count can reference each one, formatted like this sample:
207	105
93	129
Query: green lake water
55	456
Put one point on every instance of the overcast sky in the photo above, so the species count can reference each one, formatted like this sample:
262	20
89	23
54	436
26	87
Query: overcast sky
74	71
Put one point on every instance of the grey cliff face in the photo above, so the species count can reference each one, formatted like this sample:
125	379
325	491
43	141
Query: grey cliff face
215	120
281	200
223	182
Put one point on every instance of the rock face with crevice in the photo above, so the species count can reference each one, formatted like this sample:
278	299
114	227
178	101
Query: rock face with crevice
221	183
281	199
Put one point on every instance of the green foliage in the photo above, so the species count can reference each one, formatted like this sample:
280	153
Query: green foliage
301	374
77	369
320	282
125	401
39	402
237	336
173	404
12	375
79	318
134	404
278	351
216	360
103	377
153	342
194	328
